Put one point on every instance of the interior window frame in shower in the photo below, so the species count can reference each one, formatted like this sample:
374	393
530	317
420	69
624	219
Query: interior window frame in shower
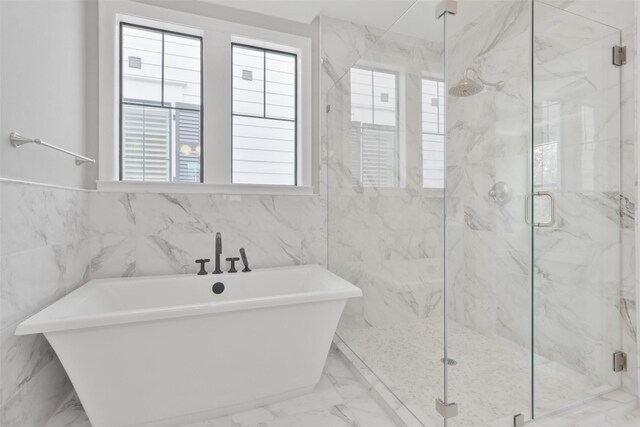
397	175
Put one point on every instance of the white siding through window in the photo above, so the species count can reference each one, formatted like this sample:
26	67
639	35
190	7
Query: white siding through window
264	116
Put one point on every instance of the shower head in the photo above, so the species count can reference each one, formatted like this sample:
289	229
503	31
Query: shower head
468	86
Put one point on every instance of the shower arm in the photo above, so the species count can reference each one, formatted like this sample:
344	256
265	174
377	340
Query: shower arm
499	85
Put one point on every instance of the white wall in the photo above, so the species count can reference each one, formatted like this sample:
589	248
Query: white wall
49	88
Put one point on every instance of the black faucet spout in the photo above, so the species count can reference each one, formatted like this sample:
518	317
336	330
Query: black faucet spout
218	253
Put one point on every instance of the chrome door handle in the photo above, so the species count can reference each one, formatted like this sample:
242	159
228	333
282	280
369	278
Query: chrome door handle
527	208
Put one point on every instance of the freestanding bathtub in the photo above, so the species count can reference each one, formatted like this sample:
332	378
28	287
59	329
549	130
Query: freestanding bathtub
166	350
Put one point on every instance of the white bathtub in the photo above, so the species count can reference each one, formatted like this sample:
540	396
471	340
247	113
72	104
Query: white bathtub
166	351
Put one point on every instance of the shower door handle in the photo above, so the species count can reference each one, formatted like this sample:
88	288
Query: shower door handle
552	206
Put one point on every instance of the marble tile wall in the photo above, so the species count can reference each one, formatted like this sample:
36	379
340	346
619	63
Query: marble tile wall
44	255
488	244
144	233
388	241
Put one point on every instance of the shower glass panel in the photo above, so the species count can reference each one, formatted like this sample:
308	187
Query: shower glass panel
473	192
576	166
488	242
385	179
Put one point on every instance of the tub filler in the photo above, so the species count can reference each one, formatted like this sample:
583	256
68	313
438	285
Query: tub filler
167	350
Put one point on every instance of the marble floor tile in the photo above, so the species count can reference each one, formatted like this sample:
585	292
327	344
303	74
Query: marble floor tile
339	400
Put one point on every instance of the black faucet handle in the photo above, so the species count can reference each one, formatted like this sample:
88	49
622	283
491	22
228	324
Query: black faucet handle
202	262
243	254
233	260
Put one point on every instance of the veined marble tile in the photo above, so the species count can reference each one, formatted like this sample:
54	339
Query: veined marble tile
112	213
33	404
112	255
22	359
191	213
35	216
31	280
46	243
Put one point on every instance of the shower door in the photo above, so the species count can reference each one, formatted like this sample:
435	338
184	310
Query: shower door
384	178
488	242
576	198
532	211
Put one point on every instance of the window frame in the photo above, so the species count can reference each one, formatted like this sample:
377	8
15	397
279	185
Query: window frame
121	24
217	36
264	112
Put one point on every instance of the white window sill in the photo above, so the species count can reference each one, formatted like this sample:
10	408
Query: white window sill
201	188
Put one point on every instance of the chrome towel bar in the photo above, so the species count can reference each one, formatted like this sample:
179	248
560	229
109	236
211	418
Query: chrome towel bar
18	140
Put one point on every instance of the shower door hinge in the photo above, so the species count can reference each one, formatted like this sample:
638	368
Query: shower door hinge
518	420
446	6
447	410
619	361
328	107
619	55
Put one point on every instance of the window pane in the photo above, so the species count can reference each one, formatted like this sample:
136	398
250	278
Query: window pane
430	106
546	140
280	86
187	146
248	81
146	143
384	98
264	146
141	64
432	161
161	136
374	130
264	151
378	157
361	95
433	168
181	70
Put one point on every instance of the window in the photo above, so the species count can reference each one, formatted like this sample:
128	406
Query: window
374	128
160	70
264	113
545	150
160	105
433	168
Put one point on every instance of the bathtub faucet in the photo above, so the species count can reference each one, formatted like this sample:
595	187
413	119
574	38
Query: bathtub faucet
218	253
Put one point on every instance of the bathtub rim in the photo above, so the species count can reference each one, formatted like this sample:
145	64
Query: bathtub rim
41	323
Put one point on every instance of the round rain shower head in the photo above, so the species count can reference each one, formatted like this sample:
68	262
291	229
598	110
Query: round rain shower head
466	87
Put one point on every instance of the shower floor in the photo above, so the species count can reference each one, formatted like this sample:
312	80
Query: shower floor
490	380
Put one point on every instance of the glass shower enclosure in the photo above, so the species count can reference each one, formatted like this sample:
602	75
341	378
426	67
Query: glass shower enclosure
473	185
